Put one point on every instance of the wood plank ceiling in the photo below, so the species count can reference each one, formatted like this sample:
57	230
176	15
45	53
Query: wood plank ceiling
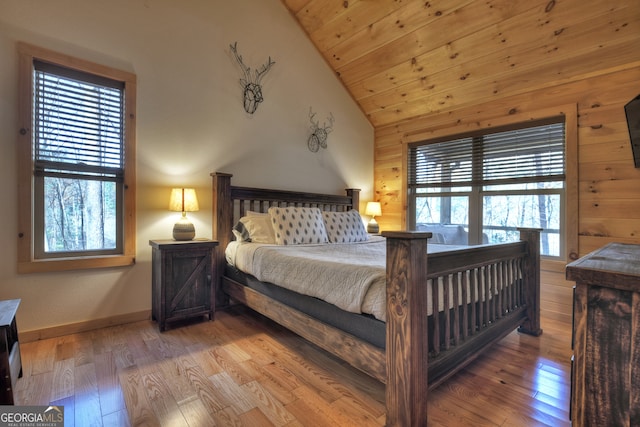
401	59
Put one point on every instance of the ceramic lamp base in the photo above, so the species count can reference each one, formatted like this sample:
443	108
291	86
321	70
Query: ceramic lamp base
183	230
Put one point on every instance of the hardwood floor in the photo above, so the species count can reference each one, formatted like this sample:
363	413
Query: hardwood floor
244	370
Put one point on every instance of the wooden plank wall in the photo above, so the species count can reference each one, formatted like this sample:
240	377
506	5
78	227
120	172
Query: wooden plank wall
401	59
609	185
420	67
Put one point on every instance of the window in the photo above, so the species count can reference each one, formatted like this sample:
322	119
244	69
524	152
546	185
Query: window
77	163
480	187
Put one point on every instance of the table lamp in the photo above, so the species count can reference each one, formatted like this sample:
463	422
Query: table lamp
373	209
183	200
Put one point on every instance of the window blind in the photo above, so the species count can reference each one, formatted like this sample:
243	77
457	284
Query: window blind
534	154
79	129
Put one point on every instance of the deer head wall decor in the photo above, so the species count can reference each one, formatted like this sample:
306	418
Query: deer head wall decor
251	82
318	137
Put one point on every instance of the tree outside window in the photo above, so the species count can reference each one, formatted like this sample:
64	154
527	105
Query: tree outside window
80	212
481	188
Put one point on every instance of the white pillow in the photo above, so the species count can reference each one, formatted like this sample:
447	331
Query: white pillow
254	227
294	226
345	227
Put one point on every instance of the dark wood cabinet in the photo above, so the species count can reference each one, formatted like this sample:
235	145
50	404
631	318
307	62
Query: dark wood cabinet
606	337
10	359
183	277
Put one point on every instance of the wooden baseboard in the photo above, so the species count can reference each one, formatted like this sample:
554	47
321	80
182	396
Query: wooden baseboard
73	328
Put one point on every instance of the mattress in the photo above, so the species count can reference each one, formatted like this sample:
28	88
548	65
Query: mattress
361	314
351	276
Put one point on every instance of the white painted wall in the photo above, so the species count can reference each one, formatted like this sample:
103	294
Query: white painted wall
190	122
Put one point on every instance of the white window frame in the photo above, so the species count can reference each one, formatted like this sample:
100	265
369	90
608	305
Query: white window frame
30	207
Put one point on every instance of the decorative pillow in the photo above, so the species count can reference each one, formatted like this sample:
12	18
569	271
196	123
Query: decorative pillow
294	226
345	227
240	232
254	227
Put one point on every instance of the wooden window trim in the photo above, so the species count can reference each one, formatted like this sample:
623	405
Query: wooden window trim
26	261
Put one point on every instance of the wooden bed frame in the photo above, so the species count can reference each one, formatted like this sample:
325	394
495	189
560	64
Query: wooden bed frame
510	272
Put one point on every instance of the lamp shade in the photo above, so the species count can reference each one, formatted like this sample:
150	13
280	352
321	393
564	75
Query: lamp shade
183	200
373	209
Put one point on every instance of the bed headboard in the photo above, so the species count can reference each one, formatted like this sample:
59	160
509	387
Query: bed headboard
231	202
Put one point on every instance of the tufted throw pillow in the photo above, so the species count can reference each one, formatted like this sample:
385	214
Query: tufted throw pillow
345	227
294	226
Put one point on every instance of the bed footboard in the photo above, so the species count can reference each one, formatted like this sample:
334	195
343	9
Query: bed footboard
443	310
491	290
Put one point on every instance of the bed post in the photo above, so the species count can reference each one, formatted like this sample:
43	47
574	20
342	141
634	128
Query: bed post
407	346
222	217
531	286
354	193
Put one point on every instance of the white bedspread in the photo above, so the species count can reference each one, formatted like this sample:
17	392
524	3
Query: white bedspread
351	276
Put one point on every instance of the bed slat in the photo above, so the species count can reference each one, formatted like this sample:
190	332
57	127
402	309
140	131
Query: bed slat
499	279
465	306
446	286
456	312
434	298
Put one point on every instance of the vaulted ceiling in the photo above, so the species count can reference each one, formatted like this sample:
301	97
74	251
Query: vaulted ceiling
405	58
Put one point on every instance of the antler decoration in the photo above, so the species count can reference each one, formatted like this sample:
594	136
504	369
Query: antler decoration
318	137
251	83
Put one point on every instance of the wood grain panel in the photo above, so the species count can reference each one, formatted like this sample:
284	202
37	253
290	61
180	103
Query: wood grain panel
409	24
316	14
603	208
418	69
349	25
448	27
634	360
609	171
412	58
618	189
612	338
468	60
629	228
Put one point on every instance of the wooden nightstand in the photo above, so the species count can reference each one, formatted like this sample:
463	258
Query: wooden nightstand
183	276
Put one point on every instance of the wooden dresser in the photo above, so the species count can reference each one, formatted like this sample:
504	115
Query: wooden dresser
606	337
